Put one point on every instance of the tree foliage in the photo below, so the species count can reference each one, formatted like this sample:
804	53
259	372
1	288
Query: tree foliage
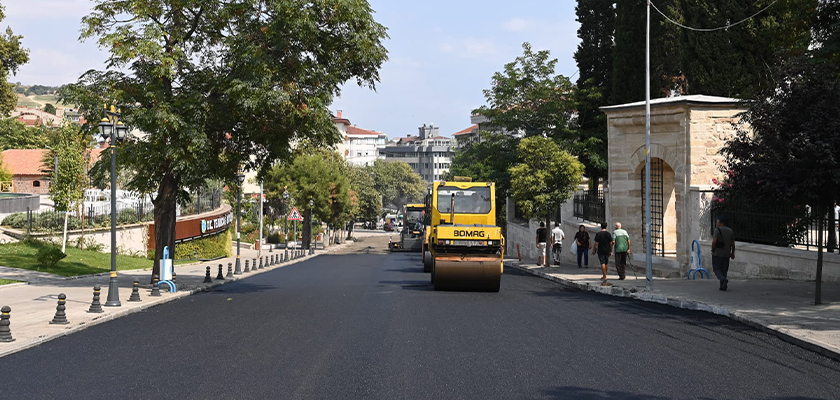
528	97
546	176
216	84
397	183
12	56
50	108
16	135
70	146
364	186
594	57
5	175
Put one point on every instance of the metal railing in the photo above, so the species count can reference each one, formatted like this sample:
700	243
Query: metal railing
783	228
590	206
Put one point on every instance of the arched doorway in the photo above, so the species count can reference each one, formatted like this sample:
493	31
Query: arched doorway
662	208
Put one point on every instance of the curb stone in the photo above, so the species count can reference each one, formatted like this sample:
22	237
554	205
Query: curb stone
615	291
171	297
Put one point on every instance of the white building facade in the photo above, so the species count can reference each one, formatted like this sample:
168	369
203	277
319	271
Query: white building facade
360	146
429	154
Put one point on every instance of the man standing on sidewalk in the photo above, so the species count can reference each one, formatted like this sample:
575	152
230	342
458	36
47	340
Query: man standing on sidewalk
557	236
621	244
542	238
723	249
603	246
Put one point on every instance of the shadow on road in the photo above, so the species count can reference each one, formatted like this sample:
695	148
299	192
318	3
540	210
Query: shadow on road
575	392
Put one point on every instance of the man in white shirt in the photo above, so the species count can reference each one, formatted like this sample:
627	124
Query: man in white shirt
557	237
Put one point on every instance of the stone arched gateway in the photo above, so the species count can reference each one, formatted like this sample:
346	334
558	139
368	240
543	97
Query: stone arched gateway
686	135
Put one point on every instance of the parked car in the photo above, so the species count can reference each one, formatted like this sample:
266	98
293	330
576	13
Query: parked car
388	227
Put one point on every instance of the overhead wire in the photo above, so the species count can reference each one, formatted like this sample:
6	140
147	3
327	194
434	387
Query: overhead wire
720	28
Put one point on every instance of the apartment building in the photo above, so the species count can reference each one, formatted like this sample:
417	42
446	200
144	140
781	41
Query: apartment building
428	153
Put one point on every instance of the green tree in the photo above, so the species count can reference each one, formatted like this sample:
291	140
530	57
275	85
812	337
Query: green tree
364	186
311	176
488	161
12	56
69	146
529	97
792	153
50	108
545	177
594	57
397	183
5	175
15	135
734	62
200	74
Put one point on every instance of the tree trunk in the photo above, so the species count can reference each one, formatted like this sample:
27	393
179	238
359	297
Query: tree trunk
821	227
307	229
165	205
64	240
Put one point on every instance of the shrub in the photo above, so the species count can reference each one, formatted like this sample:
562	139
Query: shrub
127	216
48	221
49	256
218	245
89	243
16	220
248	227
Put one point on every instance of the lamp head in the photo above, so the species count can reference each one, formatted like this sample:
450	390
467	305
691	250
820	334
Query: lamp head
106	128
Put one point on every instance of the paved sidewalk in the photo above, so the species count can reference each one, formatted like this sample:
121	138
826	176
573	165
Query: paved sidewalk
785	308
34	303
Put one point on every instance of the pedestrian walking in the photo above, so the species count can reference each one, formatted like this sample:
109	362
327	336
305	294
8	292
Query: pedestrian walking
603	247
557	236
621	245
582	242
542	239
723	250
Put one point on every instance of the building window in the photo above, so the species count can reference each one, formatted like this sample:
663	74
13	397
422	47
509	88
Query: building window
36	183
359	154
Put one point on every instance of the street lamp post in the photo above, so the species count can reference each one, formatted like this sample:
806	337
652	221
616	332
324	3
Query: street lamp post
285	223
311	237
240	178
111	127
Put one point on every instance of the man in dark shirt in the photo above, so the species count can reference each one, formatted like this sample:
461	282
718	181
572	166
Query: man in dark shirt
603	247
542	239
723	249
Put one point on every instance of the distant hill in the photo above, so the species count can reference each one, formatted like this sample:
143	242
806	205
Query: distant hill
35	90
38	96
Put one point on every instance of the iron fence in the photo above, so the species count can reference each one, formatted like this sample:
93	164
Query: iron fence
590	206
98	214
783	228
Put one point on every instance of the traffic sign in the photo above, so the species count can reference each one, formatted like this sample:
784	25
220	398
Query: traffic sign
294	215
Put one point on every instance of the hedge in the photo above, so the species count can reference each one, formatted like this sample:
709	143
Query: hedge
209	247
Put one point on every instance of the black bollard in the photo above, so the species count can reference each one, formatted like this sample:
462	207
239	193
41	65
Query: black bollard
5	332
230	270
155	287
254	263
271	248
261	263
95	305
60	317
247	269
271	262
207	276
135	292
173	274
220	276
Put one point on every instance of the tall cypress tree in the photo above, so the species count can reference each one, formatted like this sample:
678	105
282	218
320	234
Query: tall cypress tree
594	58
739	61
629	55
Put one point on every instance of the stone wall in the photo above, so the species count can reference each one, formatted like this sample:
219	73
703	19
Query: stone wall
26	184
757	261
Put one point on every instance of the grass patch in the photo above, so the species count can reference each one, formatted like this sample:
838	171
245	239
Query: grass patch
78	262
8	281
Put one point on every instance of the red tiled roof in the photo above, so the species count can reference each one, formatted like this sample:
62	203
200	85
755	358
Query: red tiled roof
468	130
344	121
352	130
29	161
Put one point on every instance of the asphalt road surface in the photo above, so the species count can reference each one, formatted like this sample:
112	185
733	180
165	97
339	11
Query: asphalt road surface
367	324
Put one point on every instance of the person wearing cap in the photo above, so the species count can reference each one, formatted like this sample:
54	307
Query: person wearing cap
723	250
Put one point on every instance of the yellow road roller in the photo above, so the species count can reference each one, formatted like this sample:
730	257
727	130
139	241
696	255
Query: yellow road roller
411	235
465	245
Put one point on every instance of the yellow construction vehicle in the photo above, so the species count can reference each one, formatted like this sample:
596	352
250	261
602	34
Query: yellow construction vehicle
411	235
466	248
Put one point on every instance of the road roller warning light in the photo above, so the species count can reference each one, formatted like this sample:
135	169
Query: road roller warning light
464	248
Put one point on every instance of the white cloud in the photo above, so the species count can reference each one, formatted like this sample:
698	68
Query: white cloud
519	25
48	9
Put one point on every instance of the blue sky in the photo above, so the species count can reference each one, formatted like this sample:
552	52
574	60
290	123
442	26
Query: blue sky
442	54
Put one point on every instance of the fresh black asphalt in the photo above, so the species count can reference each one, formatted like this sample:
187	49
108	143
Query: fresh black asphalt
369	325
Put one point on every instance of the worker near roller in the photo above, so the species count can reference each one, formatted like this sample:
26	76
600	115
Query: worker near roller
542	239
603	247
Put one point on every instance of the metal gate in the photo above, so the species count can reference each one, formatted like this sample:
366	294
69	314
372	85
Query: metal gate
657	209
